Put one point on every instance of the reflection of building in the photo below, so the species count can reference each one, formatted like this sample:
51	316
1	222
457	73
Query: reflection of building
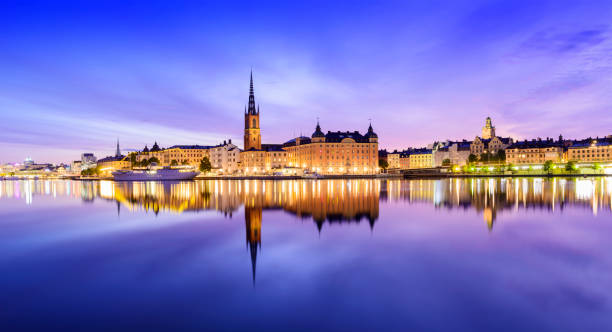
252	218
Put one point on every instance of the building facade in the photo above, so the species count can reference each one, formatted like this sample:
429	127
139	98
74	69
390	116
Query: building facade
178	154
225	158
421	158
335	152
535	152
488	131
591	150
458	153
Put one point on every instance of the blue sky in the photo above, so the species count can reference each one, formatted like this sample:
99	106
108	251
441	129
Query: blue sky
75	76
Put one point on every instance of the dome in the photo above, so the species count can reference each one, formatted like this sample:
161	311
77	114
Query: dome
318	132
371	133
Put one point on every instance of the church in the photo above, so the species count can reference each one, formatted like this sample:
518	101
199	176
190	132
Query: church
331	153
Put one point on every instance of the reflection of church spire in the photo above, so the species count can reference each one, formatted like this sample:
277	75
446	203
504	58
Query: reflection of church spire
252	217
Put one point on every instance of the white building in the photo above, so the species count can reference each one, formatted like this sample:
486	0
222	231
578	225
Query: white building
225	157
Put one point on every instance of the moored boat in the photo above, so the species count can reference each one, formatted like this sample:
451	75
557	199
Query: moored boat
161	174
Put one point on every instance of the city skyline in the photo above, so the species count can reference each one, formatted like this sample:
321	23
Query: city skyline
74	81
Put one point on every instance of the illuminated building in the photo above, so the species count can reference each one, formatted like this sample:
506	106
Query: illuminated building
225	157
180	154
591	150
335	152
489	143
535	152
393	159
258	158
488	131
420	158
110	164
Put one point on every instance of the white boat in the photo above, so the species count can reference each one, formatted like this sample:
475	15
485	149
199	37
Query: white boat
161	174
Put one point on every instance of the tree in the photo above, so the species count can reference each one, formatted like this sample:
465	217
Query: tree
549	166
570	166
596	166
446	162
383	164
174	162
153	160
185	162
472	158
205	165
501	156
133	160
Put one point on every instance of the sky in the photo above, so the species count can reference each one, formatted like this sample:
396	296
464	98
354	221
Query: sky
77	76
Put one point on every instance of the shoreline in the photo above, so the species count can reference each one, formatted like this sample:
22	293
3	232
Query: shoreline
339	177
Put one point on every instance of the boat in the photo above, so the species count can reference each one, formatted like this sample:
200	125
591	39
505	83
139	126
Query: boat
151	174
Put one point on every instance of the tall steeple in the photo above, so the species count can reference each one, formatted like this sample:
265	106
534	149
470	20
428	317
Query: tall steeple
252	136
118	152
251	109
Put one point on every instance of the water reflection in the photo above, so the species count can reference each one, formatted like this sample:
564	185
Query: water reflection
330	201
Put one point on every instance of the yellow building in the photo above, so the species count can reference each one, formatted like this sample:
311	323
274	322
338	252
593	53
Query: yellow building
181	154
393	159
335	152
421	158
110	164
591	150
535	152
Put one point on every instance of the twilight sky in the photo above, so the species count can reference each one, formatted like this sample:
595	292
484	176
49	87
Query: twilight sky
75	76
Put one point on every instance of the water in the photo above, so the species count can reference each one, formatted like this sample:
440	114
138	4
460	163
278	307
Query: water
438	255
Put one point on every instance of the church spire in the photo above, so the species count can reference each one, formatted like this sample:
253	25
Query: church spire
118	152
252	109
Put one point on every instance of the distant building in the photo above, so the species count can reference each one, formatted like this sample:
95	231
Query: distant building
488	131
393	159
457	153
117	162
535	152
591	150
489	142
177	154
421	158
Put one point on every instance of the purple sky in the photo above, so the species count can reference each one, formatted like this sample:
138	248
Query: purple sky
76	76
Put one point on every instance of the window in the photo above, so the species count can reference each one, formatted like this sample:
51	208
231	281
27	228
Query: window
254	123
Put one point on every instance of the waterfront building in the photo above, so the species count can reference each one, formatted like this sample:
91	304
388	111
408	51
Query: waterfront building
393	159
421	158
225	157
535	152
257	158
335	152
591	150
88	160
177	154
117	162
457	153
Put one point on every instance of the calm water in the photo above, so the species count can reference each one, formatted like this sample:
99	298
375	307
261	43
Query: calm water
437	255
